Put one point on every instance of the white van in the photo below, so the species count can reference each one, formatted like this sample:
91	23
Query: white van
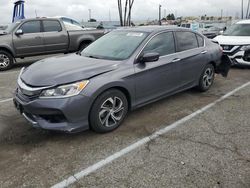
192	26
235	41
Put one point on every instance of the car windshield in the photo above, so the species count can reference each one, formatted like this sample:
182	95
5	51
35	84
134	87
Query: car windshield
118	45
238	30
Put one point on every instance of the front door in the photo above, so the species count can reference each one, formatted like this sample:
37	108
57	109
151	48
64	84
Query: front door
155	79
30	42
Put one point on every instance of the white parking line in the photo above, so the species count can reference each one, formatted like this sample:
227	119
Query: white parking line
6	100
72	179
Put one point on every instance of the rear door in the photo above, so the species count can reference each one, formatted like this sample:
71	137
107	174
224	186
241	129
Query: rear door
55	38
155	79
31	41
191	53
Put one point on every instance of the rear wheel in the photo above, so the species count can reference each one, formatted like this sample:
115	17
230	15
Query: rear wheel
6	60
108	111
207	78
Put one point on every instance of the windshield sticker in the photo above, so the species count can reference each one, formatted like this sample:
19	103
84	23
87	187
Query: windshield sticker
135	34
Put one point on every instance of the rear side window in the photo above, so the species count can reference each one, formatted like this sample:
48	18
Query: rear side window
75	23
186	40
66	20
162	44
200	40
51	25
31	27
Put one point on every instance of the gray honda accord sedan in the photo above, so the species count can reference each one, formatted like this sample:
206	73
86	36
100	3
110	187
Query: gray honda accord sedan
121	71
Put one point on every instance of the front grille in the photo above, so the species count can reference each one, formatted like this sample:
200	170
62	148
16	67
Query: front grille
25	95
233	52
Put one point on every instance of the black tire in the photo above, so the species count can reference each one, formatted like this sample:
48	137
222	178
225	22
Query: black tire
103	116
6	60
206	78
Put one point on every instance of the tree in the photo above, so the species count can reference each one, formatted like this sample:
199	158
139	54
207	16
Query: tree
170	17
125	20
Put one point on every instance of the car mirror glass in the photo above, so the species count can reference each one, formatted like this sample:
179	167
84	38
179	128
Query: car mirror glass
19	32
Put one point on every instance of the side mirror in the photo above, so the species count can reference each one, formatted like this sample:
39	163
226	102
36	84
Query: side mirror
149	57
19	32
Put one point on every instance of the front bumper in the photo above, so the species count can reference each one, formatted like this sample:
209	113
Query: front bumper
62	114
237	59
236	55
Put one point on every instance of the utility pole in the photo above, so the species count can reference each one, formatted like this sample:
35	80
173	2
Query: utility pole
221	14
247	14
159	14
242	9
89	14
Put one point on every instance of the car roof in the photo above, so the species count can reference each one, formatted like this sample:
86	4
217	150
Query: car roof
153	29
243	22
39	18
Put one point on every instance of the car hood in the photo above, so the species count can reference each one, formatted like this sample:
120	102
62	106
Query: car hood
3	32
65	69
232	40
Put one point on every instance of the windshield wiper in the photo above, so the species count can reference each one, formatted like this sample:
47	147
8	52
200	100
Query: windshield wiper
93	57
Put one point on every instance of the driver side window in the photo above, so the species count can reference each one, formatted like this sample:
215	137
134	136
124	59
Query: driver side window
31	27
162	43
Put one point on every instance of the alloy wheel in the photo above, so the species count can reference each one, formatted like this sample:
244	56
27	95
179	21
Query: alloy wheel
208	77
4	61
111	111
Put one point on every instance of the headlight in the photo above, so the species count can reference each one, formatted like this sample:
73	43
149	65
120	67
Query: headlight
68	90
244	48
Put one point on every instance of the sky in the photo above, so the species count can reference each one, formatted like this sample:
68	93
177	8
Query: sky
142	9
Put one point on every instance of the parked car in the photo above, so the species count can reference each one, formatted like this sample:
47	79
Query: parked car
197	26
211	32
235	40
69	20
3	27
40	36
97	88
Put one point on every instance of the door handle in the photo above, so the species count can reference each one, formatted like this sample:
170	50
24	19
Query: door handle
176	60
204	52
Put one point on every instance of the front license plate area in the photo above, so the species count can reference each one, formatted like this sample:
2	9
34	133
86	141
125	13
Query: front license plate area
18	106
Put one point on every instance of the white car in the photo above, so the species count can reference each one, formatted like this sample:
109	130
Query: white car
235	41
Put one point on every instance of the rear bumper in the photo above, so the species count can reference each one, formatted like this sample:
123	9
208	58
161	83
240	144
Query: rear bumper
223	66
67	115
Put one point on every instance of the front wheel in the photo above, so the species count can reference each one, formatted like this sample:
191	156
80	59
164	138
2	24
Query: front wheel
207	78
6	60
108	111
